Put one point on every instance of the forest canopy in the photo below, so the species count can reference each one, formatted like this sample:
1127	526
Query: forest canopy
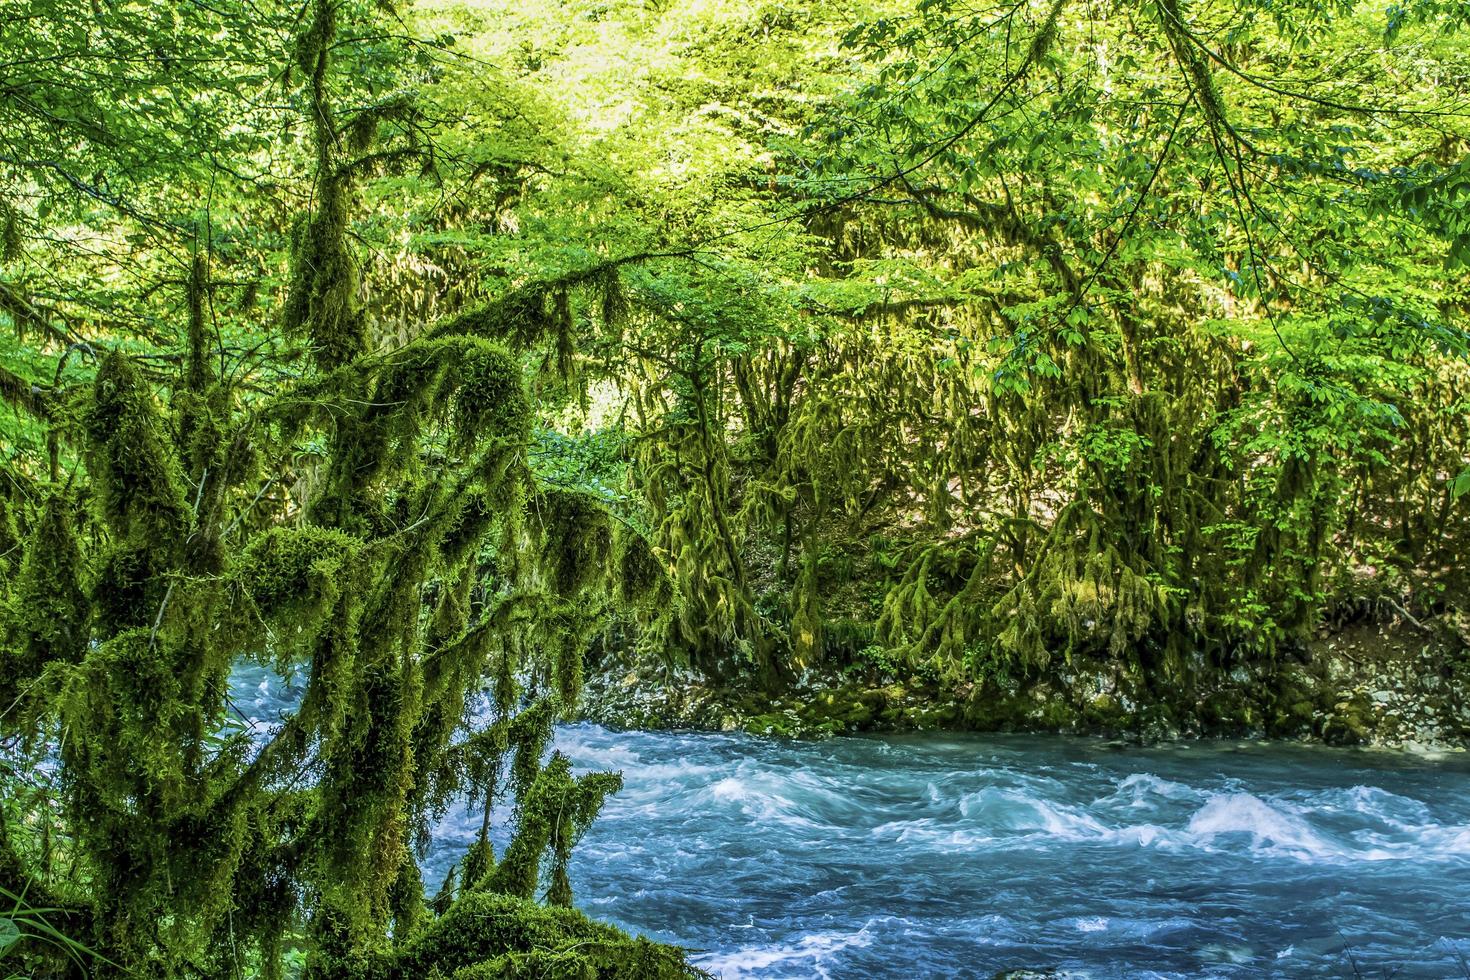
421	350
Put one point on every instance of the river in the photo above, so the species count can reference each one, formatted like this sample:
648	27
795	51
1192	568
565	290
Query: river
961	856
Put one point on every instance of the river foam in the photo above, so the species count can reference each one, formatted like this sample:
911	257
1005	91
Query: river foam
957	857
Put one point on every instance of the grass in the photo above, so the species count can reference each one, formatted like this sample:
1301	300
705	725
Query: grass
28	922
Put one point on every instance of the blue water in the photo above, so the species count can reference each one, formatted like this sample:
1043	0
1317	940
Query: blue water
961	856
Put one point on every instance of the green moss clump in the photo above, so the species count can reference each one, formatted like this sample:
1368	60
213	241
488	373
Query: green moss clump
489	395
552	814
297	574
1350	721
503	936
11	547
638	573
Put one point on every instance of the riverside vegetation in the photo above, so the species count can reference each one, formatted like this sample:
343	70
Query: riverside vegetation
794	366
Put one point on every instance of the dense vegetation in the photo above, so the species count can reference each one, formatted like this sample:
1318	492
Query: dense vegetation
423	350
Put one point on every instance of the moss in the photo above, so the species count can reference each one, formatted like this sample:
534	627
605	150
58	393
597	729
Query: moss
806	631
1156	722
288	571
321	301
843	637
1226	712
135	476
307	583
121	703
11	544
552	813
846	708
577	539
1351	720
776	724
521	319
932	716
1058	716
1288	704
489	396
485	935
406	900
49	615
638	572
1291	718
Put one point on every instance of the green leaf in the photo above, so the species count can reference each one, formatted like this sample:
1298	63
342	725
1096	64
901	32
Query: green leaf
1461	484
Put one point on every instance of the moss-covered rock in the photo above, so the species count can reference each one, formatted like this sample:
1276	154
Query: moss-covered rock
1350	721
501	936
1362	685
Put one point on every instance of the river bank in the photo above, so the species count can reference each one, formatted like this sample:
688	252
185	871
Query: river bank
1395	684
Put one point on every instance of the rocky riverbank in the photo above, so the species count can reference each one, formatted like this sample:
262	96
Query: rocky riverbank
1397	684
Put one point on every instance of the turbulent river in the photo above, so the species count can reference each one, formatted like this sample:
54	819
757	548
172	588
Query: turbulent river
961	856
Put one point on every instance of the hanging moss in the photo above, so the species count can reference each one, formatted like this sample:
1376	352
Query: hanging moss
406	900
528	734
478	862
806	618
489	396
554	811
48	617
578	537
136	478
11	548
520	319
614	306
321	302
10	236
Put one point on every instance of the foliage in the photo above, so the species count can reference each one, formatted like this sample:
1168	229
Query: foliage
421	350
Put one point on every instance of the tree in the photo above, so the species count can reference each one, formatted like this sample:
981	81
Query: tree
179	528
